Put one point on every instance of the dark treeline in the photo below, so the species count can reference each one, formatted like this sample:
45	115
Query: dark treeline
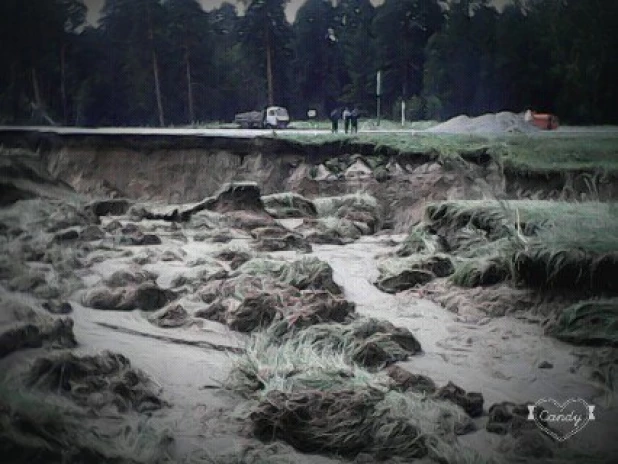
153	62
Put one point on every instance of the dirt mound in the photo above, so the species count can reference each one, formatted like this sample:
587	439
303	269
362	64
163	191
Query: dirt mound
248	220
131	276
238	196
246	303
97	382
337	422
235	258
171	316
495	301
206	271
25	326
37	430
472	403
305	273
91	233
138	238
404	280
218	235
234	201
342	219
252	313
407	381
289	205
110	207
315	397
330	230
146	296
398	274
510	418
279	239
315	307
504	122
348	422
242	285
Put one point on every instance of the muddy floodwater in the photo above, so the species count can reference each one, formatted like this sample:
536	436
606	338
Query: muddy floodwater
498	357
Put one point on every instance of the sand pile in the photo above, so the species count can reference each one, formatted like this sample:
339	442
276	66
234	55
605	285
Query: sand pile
504	122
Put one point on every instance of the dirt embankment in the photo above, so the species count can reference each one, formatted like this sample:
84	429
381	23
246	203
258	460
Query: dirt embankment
153	315
181	169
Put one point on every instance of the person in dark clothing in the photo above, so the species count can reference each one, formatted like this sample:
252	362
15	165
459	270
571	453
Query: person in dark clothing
346	120
334	119
354	120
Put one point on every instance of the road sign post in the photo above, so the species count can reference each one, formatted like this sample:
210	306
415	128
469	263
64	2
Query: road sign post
378	93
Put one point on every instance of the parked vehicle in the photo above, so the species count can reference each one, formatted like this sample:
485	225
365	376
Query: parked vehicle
273	117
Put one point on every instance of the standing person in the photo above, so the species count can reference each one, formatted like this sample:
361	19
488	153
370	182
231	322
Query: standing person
346	119
354	120
334	119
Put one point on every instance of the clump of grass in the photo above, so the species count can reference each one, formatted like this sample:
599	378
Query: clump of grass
540	243
552	153
330	206
419	240
341	228
288	204
35	428
590	322
398	274
480	272
438	264
305	273
310	395
577	247
294	364
323	356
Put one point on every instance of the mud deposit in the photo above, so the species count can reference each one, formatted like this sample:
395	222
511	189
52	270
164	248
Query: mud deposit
246	327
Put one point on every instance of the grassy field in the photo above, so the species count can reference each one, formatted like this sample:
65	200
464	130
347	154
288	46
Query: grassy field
537	153
545	243
568	249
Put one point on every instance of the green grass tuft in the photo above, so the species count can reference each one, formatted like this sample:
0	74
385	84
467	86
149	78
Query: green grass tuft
591	322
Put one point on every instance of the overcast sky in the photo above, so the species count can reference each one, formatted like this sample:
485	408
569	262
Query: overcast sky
94	6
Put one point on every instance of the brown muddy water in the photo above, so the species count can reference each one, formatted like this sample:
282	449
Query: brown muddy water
497	357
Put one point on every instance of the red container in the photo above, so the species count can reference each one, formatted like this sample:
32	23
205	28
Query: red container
545	121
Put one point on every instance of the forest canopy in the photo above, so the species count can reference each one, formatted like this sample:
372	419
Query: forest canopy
169	62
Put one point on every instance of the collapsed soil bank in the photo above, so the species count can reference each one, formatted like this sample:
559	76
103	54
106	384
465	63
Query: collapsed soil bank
188	168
